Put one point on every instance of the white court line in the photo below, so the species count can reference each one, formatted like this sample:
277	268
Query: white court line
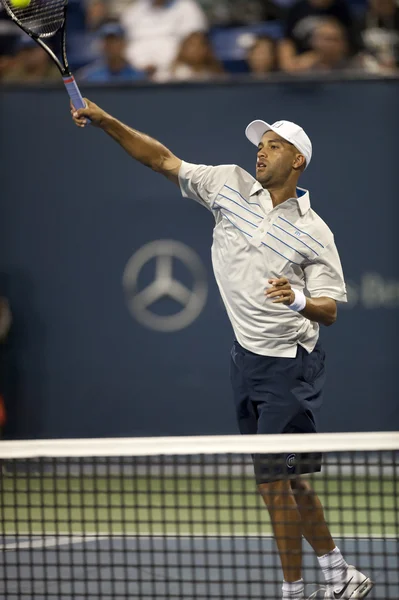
48	541
52	540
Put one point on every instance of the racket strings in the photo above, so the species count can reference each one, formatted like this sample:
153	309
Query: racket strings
43	18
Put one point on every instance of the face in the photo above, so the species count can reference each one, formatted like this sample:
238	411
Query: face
114	46
276	159
195	49
330	42
261	58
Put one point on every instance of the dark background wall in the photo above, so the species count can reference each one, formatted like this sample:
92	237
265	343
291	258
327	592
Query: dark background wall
74	209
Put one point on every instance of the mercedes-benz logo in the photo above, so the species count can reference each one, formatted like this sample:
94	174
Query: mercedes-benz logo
139	301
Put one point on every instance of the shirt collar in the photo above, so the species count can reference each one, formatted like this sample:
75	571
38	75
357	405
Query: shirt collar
303	199
257	187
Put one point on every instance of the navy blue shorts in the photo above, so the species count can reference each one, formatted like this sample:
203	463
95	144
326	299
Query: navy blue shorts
278	395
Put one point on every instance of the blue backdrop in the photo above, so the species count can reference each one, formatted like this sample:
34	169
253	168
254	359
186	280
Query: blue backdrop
84	358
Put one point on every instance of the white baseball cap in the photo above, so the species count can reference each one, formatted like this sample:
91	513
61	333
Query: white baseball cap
287	130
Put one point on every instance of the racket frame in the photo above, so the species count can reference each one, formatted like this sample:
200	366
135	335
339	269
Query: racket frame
69	80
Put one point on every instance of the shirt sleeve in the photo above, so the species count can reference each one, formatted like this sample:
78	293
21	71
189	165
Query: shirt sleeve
203	183
194	19
324	276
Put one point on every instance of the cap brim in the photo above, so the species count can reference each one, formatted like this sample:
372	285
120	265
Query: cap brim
256	130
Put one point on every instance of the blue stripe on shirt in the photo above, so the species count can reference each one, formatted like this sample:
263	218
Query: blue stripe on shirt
295	238
304	232
233	213
241	206
241	196
287	259
288	246
236	226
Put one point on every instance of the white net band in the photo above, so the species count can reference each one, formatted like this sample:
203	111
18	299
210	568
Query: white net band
182	445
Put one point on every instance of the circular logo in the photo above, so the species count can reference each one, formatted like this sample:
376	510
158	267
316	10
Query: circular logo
164	253
291	461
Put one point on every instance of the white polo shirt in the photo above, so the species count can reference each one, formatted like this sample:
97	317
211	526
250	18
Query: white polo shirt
154	33
253	242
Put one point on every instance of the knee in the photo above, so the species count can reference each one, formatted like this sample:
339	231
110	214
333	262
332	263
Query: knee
275	493
303	493
301	486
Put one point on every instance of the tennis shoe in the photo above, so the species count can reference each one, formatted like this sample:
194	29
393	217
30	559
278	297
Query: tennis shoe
356	585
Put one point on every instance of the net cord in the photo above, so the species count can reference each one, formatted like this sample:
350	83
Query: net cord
187	445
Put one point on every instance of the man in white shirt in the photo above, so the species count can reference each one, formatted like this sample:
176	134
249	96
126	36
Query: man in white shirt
269	247
156	28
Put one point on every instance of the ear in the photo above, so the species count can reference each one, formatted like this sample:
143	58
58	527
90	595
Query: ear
299	162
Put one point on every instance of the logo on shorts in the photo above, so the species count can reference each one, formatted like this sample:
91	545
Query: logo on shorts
291	461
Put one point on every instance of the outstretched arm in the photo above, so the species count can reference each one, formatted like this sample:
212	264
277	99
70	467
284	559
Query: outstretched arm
140	146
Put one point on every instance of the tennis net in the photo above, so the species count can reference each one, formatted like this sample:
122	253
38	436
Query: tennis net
182	518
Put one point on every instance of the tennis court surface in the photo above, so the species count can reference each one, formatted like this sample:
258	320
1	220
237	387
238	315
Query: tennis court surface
181	518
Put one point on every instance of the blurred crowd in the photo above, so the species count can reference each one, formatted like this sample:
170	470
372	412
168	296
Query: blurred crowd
185	40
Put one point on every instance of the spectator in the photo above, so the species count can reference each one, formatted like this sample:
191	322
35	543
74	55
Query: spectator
32	64
155	29
236	13
195	60
6	61
380	31
9	34
262	57
302	19
97	14
113	65
332	50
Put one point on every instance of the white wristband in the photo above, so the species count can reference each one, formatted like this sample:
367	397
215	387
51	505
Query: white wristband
299	302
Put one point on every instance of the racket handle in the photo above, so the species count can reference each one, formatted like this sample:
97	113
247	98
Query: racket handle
74	93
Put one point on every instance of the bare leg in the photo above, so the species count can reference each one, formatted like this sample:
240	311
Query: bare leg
287	526
314	527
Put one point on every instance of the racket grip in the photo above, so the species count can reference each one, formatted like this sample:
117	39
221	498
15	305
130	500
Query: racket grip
74	92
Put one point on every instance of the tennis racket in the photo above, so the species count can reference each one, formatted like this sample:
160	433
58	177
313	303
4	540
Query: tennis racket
41	20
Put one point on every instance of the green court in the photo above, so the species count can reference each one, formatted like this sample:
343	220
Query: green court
183	506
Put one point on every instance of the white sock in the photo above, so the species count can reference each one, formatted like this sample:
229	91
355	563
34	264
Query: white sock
334	566
294	590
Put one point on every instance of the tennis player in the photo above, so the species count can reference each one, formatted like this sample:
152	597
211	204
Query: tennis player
269	248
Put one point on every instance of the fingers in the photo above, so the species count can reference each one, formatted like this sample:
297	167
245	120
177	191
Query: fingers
278	282
79	115
276	291
78	118
280	292
280	296
285	301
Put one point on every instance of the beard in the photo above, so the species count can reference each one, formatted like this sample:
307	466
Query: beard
264	178
275	177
